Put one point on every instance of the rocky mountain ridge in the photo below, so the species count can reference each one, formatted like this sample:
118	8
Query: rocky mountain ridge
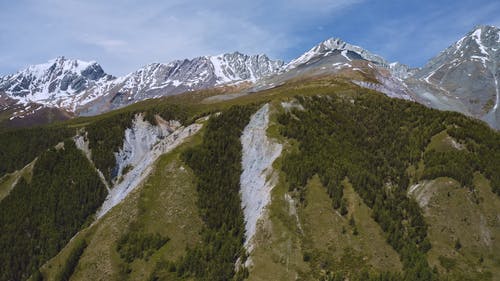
75	84
464	77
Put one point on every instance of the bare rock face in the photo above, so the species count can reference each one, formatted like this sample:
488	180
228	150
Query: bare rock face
258	154
142	145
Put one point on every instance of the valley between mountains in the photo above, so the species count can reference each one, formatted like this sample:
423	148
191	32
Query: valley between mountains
337	165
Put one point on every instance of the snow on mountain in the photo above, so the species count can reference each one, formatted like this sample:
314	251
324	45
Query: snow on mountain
464	77
75	84
60	82
401	71
199	73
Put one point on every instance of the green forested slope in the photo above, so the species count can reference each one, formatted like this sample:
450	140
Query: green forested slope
373	140
39	217
18	147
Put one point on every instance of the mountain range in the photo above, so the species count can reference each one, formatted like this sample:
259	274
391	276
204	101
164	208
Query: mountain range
335	166
462	78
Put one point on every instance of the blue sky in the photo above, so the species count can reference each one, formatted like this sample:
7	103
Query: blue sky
127	34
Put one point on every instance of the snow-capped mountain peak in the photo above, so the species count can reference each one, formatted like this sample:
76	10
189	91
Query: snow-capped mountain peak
197	73
178	76
52	82
72	84
331	45
235	67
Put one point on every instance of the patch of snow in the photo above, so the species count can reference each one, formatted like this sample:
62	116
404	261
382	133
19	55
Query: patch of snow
176	83
344	54
304	58
143	144
339	65
477	37
258	154
458	45
482	59
217	62
430	75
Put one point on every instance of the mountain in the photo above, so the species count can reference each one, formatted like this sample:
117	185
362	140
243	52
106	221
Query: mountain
324	168
84	88
157	79
464	77
61	82
335	46
341	59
